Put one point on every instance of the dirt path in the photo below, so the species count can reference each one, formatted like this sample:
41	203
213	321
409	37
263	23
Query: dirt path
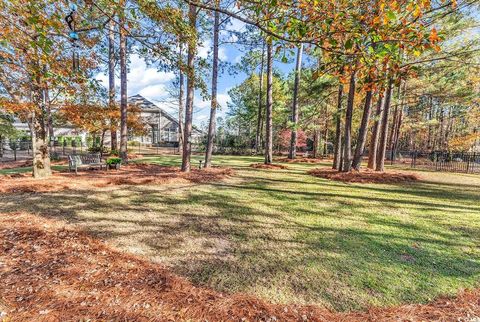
50	273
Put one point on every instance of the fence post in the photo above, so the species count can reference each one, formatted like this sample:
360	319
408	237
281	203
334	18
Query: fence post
468	163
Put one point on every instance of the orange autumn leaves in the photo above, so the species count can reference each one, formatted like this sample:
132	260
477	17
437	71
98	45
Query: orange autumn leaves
95	118
374	35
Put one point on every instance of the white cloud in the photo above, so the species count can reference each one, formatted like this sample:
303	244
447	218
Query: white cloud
238	58
152	84
223	99
144	80
206	47
202	108
153	90
236	25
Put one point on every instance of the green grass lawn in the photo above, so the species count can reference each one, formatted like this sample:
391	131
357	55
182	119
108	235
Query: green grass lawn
29	169
289	237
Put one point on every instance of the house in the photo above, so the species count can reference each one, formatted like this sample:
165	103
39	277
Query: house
162	127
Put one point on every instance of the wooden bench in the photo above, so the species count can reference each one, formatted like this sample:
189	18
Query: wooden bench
85	161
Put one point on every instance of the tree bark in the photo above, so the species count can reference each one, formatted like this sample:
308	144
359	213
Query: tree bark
102	140
372	151
48	107
180	97
40	150
187	134
316	138
38	130
325	134
337	153
268	116
430	118
293	139
347	140
396	134
392	131
382	145
362	132
258	136
123	88
398	123
214	104
111	83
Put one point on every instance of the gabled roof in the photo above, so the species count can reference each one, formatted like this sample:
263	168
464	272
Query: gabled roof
147	106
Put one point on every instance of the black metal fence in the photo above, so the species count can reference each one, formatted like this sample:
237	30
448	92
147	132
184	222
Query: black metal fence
446	161
18	150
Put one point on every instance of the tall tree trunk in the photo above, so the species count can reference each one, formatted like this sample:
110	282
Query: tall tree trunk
325	135
347	140
111	83
441	133
187	134
382	144
258	135
430	118
40	151
48	106
396	135
293	139
398	122
373	149
123	87
214	104
316	139
180	97
392	130
362	132
38	129
268	116
337	153
449	127
102	140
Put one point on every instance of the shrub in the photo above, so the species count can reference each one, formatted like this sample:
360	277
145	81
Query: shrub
114	161
98	149
133	143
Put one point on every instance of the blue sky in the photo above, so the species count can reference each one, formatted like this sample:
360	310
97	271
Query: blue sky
153	84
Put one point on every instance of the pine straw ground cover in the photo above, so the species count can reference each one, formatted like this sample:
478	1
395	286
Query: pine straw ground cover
51	273
364	176
132	174
300	160
287	237
268	166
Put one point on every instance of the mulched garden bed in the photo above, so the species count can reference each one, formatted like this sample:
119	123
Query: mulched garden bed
8	165
300	160
51	273
132	174
15	164
268	166
364	176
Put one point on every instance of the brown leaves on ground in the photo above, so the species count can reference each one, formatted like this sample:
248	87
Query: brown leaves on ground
26	163
268	166
15	164
50	273
364	176
132	174
300	160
